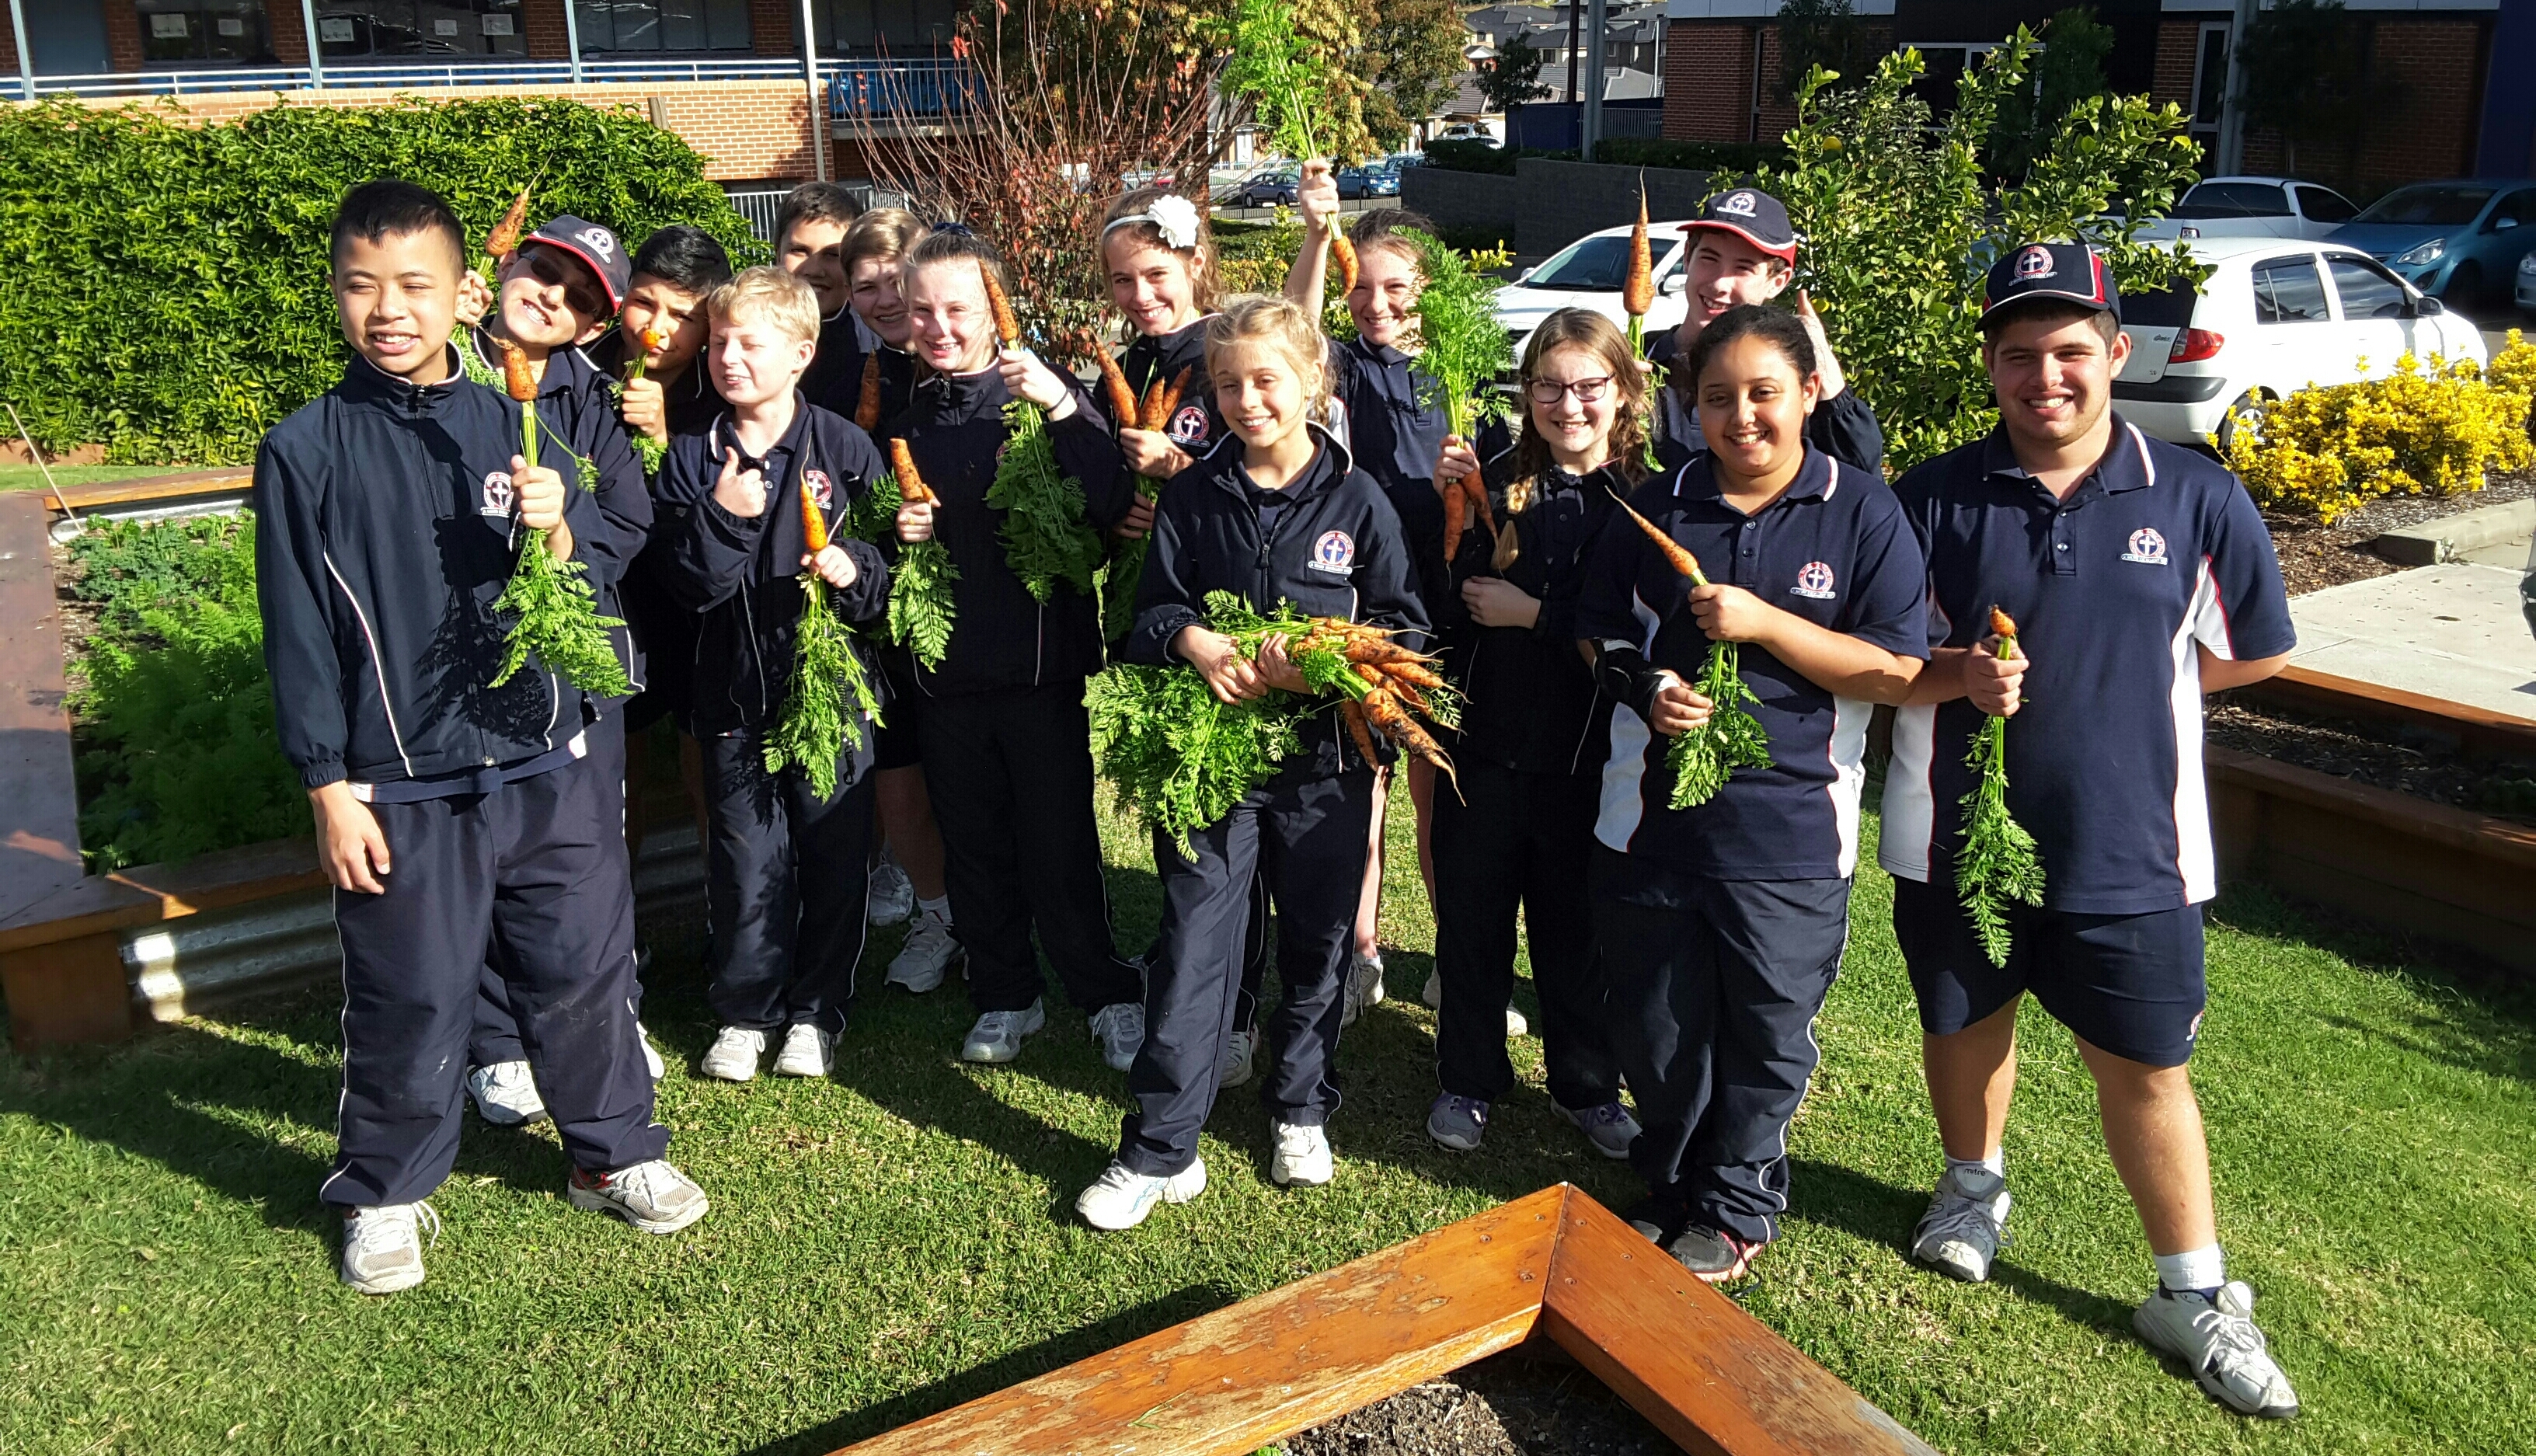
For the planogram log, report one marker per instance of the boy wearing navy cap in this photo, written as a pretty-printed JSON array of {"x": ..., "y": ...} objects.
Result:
[
  {"x": 1742, "y": 251},
  {"x": 2140, "y": 577},
  {"x": 450, "y": 814}
]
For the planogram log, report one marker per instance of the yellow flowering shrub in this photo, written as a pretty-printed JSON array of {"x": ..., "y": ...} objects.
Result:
[{"x": 2420, "y": 430}]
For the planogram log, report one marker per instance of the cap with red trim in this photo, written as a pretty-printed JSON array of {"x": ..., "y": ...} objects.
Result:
[
  {"x": 1757, "y": 218},
  {"x": 2069, "y": 273},
  {"x": 594, "y": 245}
]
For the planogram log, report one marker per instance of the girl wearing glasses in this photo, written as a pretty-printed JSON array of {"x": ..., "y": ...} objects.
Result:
[{"x": 1534, "y": 733}]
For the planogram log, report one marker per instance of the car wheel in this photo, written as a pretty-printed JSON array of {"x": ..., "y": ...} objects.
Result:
[
  {"x": 2249, "y": 409},
  {"x": 2464, "y": 291}
]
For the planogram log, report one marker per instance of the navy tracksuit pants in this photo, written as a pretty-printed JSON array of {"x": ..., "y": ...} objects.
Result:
[
  {"x": 1305, "y": 835},
  {"x": 785, "y": 881},
  {"x": 1714, "y": 986},
  {"x": 538, "y": 870},
  {"x": 1511, "y": 837},
  {"x": 1010, "y": 776}
]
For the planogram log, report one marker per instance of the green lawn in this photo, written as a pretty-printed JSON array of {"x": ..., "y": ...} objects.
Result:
[
  {"x": 898, "y": 1239},
  {"x": 31, "y": 478}
]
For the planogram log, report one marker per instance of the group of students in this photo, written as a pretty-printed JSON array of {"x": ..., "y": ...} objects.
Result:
[{"x": 1678, "y": 955}]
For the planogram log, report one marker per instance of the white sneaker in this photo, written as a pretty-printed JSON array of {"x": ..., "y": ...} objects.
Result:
[
  {"x": 1516, "y": 1026},
  {"x": 383, "y": 1246},
  {"x": 1121, "y": 1196},
  {"x": 927, "y": 957},
  {"x": 808, "y": 1051},
  {"x": 1966, "y": 1223},
  {"x": 733, "y": 1055},
  {"x": 1364, "y": 987},
  {"x": 1302, "y": 1155},
  {"x": 505, "y": 1094},
  {"x": 997, "y": 1035},
  {"x": 2217, "y": 1340},
  {"x": 1120, "y": 1030},
  {"x": 650, "y": 1054},
  {"x": 1433, "y": 995},
  {"x": 1235, "y": 1069},
  {"x": 892, "y": 896},
  {"x": 652, "y": 1196}
]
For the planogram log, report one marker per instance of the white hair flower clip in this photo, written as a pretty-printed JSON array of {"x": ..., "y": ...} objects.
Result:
[{"x": 1176, "y": 216}]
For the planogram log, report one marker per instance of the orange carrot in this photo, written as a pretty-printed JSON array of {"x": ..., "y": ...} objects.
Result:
[
  {"x": 1477, "y": 490},
  {"x": 1007, "y": 327},
  {"x": 518, "y": 379},
  {"x": 1413, "y": 672},
  {"x": 1379, "y": 650},
  {"x": 1385, "y": 712},
  {"x": 1343, "y": 253},
  {"x": 1638, "y": 292},
  {"x": 504, "y": 239},
  {"x": 1124, "y": 413},
  {"x": 1456, "y": 518},
  {"x": 1160, "y": 401},
  {"x": 868, "y": 406},
  {"x": 911, "y": 486},
  {"x": 1674, "y": 551},
  {"x": 1352, "y": 713},
  {"x": 2003, "y": 627},
  {"x": 814, "y": 524}
]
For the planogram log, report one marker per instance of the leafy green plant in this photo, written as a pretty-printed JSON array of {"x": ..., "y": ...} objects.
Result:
[
  {"x": 829, "y": 698},
  {"x": 554, "y": 610},
  {"x": 1179, "y": 758},
  {"x": 1462, "y": 348},
  {"x": 1277, "y": 72},
  {"x": 1999, "y": 860},
  {"x": 1704, "y": 758},
  {"x": 1047, "y": 538},
  {"x": 128, "y": 567},
  {"x": 2070, "y": 68},
  {"x": 162, "y": 283},
  {"x": 1514, "y": 77}
]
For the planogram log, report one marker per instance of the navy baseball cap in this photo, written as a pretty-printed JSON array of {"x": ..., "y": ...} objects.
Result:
[
  {"x": 594, "y": 245},
  {"x": 2069, "y": 273},
  {"x": 1757, "y": 218}
]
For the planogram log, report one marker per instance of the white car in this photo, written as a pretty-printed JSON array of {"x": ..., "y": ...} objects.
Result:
[
  {"x": 2252, "y": 207},
  {"x": 2274, "y": 317},
  {"x": 1588, "y": 273}
]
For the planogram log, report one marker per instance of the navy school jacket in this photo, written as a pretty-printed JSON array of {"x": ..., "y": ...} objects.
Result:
[
  {"x": 664, "y": 629},
  {"x": 839, "y": 364},
  {"x": 384, "y": 532},
  {"x": 1842, "y": 426},
  {"x": 1393, "y": 436},
  {"x": 1336, "y": 551},
  {"x": 1004, "y": 637},
  {"x": 1534, "y": 703},
  {"x": 898, "y": 371},
  {"x": 740, "y": 575}
]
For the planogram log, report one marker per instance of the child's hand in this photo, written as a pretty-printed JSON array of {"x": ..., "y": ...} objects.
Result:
[
  {"x": 1678, "y": 710},
  {"x": 474, "y": 299},
  {"x": 1278, "y": 669},
  {"x": 743, "y": 492},
  {"x": 539, "y": 492},
  {"x": 1317, "y": 197},
  {"x": 1826, "y": 365},
  {"x": 1497, "y": 603},
  {"x": 1730, "y": 613},
  {"x": 833, "y": 565},
  {"x": 1996, "y": 684},
  {"x": 351, "y": 847},
  {"x": 1025, "y": 375},
  {"x": 646, "y": 408},
  {"x": 915, "y": 521},
  {"x": 1456, "y": 460},
  {"x": 1232, "y": 676},
  {"x": 1151, "y": 454},
  {"x": 1138, "y": 524}
]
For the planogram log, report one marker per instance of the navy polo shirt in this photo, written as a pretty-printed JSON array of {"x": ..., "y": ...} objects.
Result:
[
  {"x": 2157, "y": 550},
  {"x": 1834, "y": 550}
]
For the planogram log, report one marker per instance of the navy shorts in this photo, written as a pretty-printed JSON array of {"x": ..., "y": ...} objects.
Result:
[{"x": 2129, "y": 985}]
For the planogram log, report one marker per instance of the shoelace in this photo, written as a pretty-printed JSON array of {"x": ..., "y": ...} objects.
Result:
[
  {"x": 1298, "y": 1142},
  {"x": 401, "y": 1218},
  {"x": 1609, "y": 1114},
  {"x": 2233, "y": 1335},
  {"x": 1957, "y": 1217}
]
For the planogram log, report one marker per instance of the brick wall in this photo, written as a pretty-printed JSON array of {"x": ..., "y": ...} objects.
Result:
[
  {"x": 775, "y": 27},
  {"x": 544, "y": 27},
  {"x": 122, "y": 36},
  {"x": 2176, "y": 42},
  {"x": 1708, "y": 81}
]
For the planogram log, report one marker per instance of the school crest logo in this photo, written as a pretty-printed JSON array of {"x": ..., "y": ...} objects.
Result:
[
  {"x": 821, "y": 493},
  {"x": 2034, "y": 264},
  {"x": 2149, "y": 548},
  {"x": 1188, "y": 426},
  {"x": 1334, "y": 552},
  {"x": 1740, "y": 205},
  {"x": 1814, "y": 581},
  {"x": 499, "y": 496},
  {"x": 597, "y": 241}
]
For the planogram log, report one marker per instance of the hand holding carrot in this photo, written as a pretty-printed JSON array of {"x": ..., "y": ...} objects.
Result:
[
  {"x": 645, "y": 408},
  {"x": 1456, "y": 460},
  {"x": 1678, "y": 710},
  {"x": 1138, "y": 524},
  {"x": 1995, "y": 684},
  {"x": 1151, "y": 454},
  {"x": 1030, "y": 379},
  {"x": 1730, "y": 613},
  {"x": 540, "y": 493},
  {"x": 833, "y": 565},
  {"x": 915, "y": 521},
  {"x": 1278, "y": 669},
  {"x": 1317, "y": 197},
  {"x": 1231, "y": 677}
]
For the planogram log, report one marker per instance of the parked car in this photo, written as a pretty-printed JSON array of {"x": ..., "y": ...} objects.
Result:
[
  {"x": 2252, "y": 207},
  {"x": 2526, "y": 291},
  {"x": 1266, "y": 190},
  {"x": 2461, "y": 239},
  {"x": 1401, "y": 161},
  {"x": 1381, "y": 180},
  {"x": 1465, "y": 131},
  {"x": 2274, "y": 316},
  {"x": 1351, "y": 182},
  {"x": 1588, "y": 273}
]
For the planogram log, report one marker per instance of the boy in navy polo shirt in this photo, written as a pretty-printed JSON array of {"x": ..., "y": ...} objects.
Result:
[
  {"x": 2140, "y": 577},
  {"x": 450, "y": 814},
  {"x": 1722, "y": 924}
]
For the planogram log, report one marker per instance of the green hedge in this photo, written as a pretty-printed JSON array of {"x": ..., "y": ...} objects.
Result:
[{"x": 162, "y": 285}]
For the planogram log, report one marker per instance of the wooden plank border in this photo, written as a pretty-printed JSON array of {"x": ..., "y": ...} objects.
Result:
[{"x": 1553, "y": 1264}]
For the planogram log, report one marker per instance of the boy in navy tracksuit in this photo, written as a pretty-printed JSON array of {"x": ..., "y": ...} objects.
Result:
[
  {"x": 1005, "y": 738},
  {"x": 1722, "y": 923},
  {"x": 786, "y": 872},
  {"x": 2139, "y": 576},
  {"x": 1320, "y": 534},
  {"x": 449, "y": 813},
  {"x": 809, "y": 243}
]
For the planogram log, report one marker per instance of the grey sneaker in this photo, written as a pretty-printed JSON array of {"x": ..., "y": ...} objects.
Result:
[
  {"x": 927, "y": 956},
  {"x": 1235, "y": 1068},
  {"x": 997, "y": 1035},
  {"x": 652, "y": 1196},
  {"x": 1458, "y": 1122},
  {"x": 1364, "y": 987},
  {"x": 383, "y": 1246},
  {"x": 892, "y": 896},
  {"x": 1121, "y": 1196},
  {"x": 733, "y": 1055},
  {"x": 1120, "y": 1030},
  {"x": 505, "y": 1094},
  {"x": 2218, "y": 1343},
  {"x": 808, "y": 1051},
  {"x": 1966, "y": 1225},
  {"x": 1607, "y": 1126}
]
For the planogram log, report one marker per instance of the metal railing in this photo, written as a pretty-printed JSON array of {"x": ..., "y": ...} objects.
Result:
[
  {"x": 923, "y": 84},
  {"x": 762, "y": 207}
]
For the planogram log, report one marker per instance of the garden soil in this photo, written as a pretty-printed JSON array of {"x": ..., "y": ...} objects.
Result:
[
  {"x": 2376, "y": 754},
  {"x": 2314, "y": 556},
  {"x": 1508, "y": 1405}
]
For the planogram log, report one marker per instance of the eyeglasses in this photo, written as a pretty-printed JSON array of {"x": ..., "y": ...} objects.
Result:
[{"x": 1551, "y": 391}]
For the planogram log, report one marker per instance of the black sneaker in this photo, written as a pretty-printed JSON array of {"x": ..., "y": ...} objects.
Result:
[
  {"x": 1712, "y": 1256},
  {"x": 1658, "y": 1219}
]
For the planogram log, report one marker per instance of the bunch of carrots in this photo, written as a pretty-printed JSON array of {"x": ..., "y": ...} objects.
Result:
[
  {"x": 1381, "y": 683},
  {"x": 557, "y": 614},
  {"x": 1998, "y": 862},
  {"x": 1731, "y": 738},
  {"x": 1153, "y": 414},
  {"x": 1048, "y": 540},
  {"x": 921, "y": 604},
  {"x": 815, "y": 726}
]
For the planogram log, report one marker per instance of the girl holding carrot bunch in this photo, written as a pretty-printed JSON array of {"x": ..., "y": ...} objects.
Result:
[
  {"x": 1003, "y": 734},
  {"x": 1286, "y": 517},
  {"x": 1720, "y": 925},
  {"x": 1535, "y": 735},
  {"x": 1159, "y": 257}
]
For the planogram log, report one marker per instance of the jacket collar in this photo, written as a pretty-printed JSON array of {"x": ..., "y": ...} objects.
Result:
[
  {"x": 365, "y": 381},
  {"x": 955, "y": 399},
  {"x": 725, "y": 435},
  {"x": 1330, "y": 464}
]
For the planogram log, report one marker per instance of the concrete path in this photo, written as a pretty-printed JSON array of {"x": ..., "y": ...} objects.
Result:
[{"x": 2451, "y": 631}]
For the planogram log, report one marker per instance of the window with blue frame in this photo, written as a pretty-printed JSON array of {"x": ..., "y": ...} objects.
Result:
[
  {"x": 420, "y": 29},
  {"x": 653, "y": 25},
  {"x": 231, "y": 30},
  {"x": 899, "y": 28}
]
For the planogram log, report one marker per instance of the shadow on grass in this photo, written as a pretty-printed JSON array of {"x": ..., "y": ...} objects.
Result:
[{"x": 1053, "y": 1354}]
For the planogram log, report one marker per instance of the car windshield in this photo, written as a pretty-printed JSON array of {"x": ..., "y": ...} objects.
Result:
[
  {"x": 2438, "y": 207},
  {"x": 1594, "y": 265},
  {"x": 2233, "y": 200}
]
